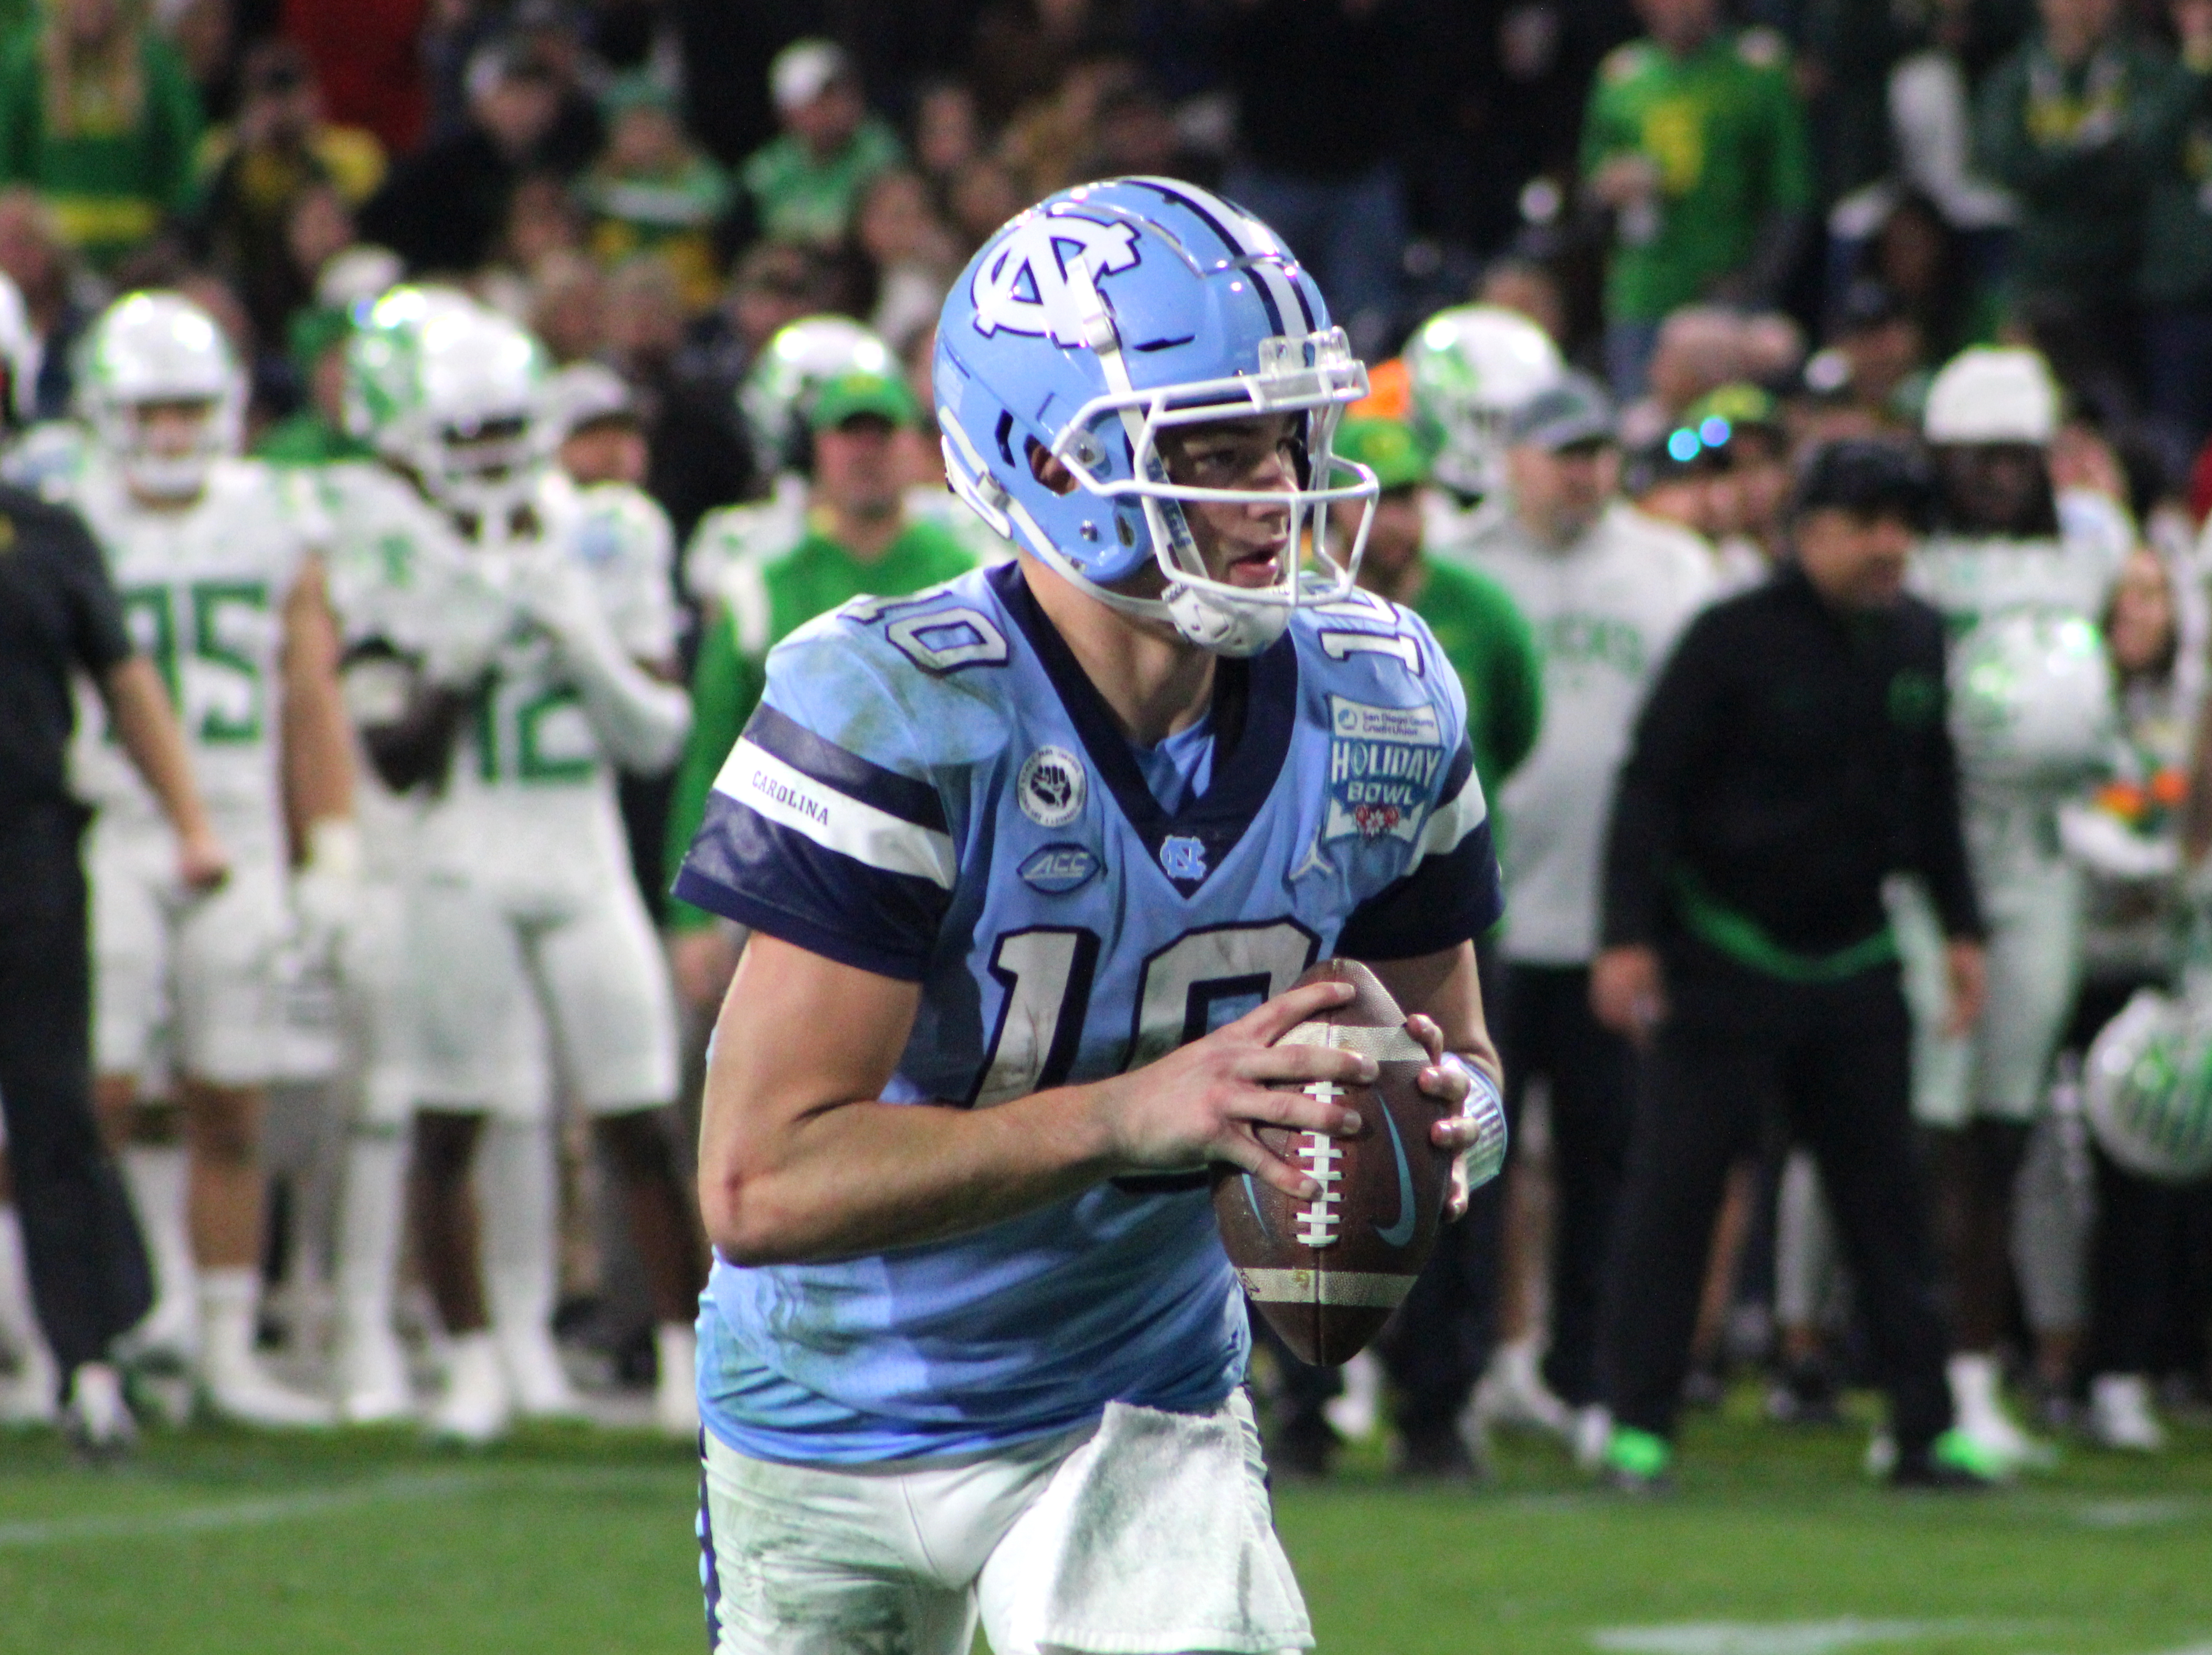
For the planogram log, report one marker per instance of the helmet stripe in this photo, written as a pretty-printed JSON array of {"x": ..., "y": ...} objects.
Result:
[
  {"x": 1257, "y": 238},
  {"x": 1276, "y": 290}
]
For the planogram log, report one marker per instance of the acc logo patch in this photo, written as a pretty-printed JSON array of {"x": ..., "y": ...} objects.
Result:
[
  {"x": 1382, "y": 768},
  {"x": 1025, "y": 287},
  {"x": 1051, "y": 786},
  {"x": 1058, "y": 869}
]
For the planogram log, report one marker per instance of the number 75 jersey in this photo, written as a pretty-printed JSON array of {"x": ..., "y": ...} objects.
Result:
[{"x": 932, "y": 790}]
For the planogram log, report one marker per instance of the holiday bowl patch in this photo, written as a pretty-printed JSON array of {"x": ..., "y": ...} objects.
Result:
[{"x": 1384, "y": 766}]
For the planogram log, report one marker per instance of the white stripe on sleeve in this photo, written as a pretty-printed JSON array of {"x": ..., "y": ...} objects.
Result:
[{"x": 764, "y": 783}]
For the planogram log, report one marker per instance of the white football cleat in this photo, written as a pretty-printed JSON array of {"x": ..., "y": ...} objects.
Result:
[
  {"x": 535, "y": 1377},
  {"x": 1513, "y": 1397},
  {"x": 233, "y": 1382},
  {"x": 248, "y": 1394},
  {"x": 97, "y": 1418},
  {"x": 32, "y": 1394},
  {"x": 167, "y": 1339},
  {"x": 1981, "y": 1416},
  {"x": 1355, "y": 1413},
  {"x": 1593, "y": 1430},
  {"x": 477, "y": 1407},
  {"x": 676, "y": 1389},
  {"x": 2121, "y": 1416},
  {"x": 372, "y": 1376}
]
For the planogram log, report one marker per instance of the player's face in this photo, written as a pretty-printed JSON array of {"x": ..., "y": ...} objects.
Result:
[
  {"x": 489, "y": 450},
  {"x": 606, "y": 452},
  {"x": 1243, "y": 542},
  {"x": 172, "y": 429},
  {"x": 1855, "y": 560}
]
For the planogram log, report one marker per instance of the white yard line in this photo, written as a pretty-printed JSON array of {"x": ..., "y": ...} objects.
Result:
[
  {"x": 1775, "y": 1637},
  {"x": 400, "y": 1488}
]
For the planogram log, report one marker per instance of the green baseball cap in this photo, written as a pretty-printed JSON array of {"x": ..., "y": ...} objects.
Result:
[
  {"x": 850, "y": 395},
  {"x": 1388, "y": 447}
]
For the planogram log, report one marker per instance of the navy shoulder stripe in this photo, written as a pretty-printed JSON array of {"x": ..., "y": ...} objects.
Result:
[{"x": 903, "y": 796}]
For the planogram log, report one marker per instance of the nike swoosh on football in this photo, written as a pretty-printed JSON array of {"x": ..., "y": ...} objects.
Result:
[{"x": 1401, "y": 1231}]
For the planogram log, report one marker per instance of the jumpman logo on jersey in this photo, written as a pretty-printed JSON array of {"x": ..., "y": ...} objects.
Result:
[
  {"x": 1314, "y": 862},
  {"x": 1032, "y": 286}
]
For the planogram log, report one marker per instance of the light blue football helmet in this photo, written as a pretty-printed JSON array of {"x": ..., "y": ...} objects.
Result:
[{"x": 1104, "y": 315}]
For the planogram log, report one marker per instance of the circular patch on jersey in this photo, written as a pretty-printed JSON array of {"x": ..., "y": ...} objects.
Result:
[{"x": 1050, "y": 787}]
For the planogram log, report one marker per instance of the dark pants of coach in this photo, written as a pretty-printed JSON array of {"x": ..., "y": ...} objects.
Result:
[
  {"x": 89, "y": 1280},
  {"x": 1833, "y": 1059}
]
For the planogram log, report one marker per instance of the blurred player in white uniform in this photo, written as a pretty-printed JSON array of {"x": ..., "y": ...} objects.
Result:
[
  {"x": 2021, "y": 572},
  {"x": 527, "y": 944},
  {"x": 224, "y": 592}
]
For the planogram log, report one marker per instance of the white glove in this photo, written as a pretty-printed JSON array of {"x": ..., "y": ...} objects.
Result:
[
  {"x": 639, "y": 721},
  {"x": 474, "y": 618},
  {"x": 326, "y": 891}
]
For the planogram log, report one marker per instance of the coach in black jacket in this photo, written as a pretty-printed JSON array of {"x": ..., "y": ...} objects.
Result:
[{"x": 1793, "y": 755}]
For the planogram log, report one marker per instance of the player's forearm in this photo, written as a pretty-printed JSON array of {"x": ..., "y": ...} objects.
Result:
[
  {"x": 147, "y": 726},
  {"x": 317, "y": 749},
  {"x": 866, "y": 1178}
]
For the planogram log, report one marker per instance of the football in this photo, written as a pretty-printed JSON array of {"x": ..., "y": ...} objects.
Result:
[{"x": 1326, "y": 1273}]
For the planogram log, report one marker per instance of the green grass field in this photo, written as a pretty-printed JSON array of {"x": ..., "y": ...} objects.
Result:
[{"x": 570, "y": 1541}]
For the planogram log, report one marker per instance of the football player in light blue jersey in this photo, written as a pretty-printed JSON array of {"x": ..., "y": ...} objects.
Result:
[{"x": 1031, "y": 861}]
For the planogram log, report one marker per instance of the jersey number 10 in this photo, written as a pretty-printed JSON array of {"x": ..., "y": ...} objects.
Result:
[{"x": 1201, "y": 980}]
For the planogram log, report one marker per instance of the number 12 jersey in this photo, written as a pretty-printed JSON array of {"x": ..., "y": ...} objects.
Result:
[{"x": 932, "y": 790}]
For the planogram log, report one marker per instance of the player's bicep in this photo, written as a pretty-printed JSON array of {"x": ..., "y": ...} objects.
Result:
[{"x": 799, "y": 1034}]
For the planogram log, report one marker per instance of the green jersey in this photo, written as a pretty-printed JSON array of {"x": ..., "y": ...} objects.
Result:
[
  {"x": 2177, "y": 254},
  {"x": 308, "y": 439},
  {"x": 125, "y": 160},
  {"x": 1725, "y": 131},
  {"x": 1485, "y": 637},
  {"x": 2079, "y": 147},
  {"x": 801, "y": 198},
  {"x": 764, "y": 600}
]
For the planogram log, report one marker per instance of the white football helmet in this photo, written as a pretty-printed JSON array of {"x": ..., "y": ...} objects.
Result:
[
  {"x": 1470, "y": 367},
  {"x": 156, "y": 347},
  {"x": 2149, "y": 1082},
  {"x": 452, "y": 392},
  {"x": 793, "y": 366}
]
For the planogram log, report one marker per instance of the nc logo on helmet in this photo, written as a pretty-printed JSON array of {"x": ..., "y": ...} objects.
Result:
[{"x": 1029, "y": 285}]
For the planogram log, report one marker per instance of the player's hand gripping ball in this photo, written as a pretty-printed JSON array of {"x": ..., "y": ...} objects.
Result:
[{"x": 1327, "y": 1272}]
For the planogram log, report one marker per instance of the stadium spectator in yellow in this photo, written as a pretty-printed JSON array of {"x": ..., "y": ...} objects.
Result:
[
  {"x": 255, "y": 171},
  {"x": 2078, "y": 124},
  {"x": 98, "y": 114},
  {"x": 805, "y": 183},
  {"x": 859, "y": 542},
  {"x": 651, "y": 191},
  {"x": 1695, "y": 137}
]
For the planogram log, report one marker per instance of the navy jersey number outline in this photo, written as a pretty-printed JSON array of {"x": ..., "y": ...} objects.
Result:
[{"x": 1045, "y": 974}]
